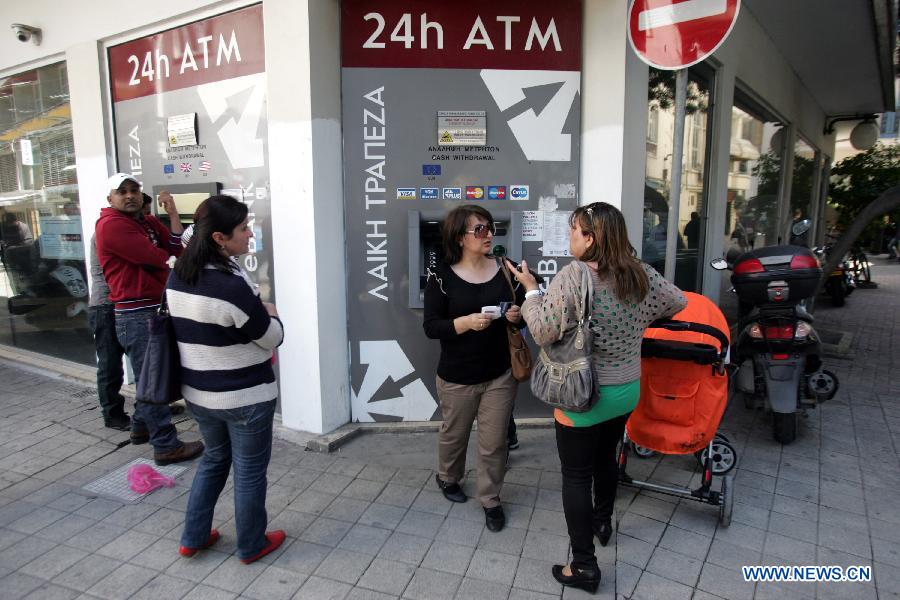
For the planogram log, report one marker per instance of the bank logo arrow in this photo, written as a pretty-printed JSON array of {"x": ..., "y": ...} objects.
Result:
[
  {"x": 389, "y": 386},
  {"x": 539, "y": 103},
  {"x": 241, "y": 102}
]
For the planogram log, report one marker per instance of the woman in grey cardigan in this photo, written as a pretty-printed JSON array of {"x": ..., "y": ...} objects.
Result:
[{"x": 628, "y": 296}]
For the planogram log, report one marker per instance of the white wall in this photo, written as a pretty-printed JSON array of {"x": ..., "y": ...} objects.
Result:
[
  {"x": 303, "y": 71},
  {"x": 68, "y": 23},
  {"x": 603, "y": 74}
]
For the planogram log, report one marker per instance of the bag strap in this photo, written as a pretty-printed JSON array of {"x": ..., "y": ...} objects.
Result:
[
  {"x": 585, "y": 308},
  {"x": 506, "y": 274},
  {"x": 163, "y": 300}
]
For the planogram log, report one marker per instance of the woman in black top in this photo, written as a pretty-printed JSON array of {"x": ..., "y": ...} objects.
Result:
[{"x": 473, "y": 374}]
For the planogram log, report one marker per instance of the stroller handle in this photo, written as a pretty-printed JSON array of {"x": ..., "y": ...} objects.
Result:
[{"x": 696, "y": 327}]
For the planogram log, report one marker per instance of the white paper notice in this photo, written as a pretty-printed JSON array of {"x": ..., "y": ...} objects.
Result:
[
  {"x": 462, "y": 128},
  {"x": 61, "y": 238},
  {"x": 532, "y": 226},
  {"x": 27, "y": 154},
  {"x": 556, "y": 233},
  {"x": 182, "y": 130}
]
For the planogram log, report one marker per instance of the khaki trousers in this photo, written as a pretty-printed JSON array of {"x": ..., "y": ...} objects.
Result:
[{"x": 491, "y": 403}]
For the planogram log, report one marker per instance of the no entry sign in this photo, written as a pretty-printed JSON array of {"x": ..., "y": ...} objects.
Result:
[{"x": 673, "y": 34}]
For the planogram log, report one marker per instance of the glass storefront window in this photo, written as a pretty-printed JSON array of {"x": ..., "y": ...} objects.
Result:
[
  {"x": 754, "y": 179},
  {"x": 658, "y": 181},
  {"x": 803, "y": 188},
  {"x": 43, "y": 281}
]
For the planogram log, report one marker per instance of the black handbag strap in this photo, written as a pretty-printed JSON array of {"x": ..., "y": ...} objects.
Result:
[
  {"x": 163, "y": 303},
  {"x": 503, "y": 268}
]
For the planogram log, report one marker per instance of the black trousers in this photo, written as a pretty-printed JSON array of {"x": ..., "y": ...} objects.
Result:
[
  {"x": 102, "y": 319},
  {"x": 587, "y": 456}
]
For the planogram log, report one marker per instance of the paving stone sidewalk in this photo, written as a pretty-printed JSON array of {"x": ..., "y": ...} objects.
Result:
[{"x": 368, "y": 522}]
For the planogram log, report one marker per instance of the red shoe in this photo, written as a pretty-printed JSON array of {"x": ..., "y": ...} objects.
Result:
[
  {"x": 189, "y": 552},
  {"x": 275, "y": 539}
]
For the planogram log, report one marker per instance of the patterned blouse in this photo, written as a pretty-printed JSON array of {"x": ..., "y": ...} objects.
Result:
[{"x": 618, "y": 325}]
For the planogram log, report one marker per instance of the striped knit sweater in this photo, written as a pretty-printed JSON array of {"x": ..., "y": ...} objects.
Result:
[{"x": 225, "y": 337}]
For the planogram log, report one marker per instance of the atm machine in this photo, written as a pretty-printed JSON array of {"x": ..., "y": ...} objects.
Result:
[
  {"x": 188, "y": 197},
  {"x": 426, "y": 246}
]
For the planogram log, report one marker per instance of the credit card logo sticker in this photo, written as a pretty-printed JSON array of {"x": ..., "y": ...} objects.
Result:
[
  {"x": 474, "y": 192},
  {"x": 518, "y": 192},
  {"x": 430, "y": 193},
  {"x": 497, "y": 192},
  {"x": 452, "y": 193},
  {"x": 406, "y": 193}
]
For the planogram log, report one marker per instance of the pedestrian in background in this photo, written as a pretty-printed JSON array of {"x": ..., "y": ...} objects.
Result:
[
  {"x": 110, "y": 374},
  {"x": 226, "y": 336},
  {"x": 628, "y": 296},
  {"x": 474, "y": 379}
]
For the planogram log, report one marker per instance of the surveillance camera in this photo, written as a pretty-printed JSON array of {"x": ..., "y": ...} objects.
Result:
[{"x": 25, "y": 33}]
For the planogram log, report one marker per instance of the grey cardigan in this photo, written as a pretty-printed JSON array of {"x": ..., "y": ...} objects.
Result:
[{"x": 617, "y": 325}]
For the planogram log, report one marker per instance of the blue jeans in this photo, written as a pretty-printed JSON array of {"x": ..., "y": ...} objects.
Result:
[
  {"x": 102, "y": 319},
  {"x": 133, "y": 335},
  {"x": 242, "y": 436}
]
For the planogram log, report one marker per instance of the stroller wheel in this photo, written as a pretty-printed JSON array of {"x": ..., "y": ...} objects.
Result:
[
  {"x": 726, "y": 500},
  {"x": 642, "y": 452},
  {"x": 724, "y": 457}
]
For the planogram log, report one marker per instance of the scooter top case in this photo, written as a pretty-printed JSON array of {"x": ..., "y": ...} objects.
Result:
[{"x": 776, "y": 275}]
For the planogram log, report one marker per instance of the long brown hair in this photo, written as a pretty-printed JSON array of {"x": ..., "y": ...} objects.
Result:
[
  {"x": 611, "y": 250},
  {"x": 454, "y": 228}
]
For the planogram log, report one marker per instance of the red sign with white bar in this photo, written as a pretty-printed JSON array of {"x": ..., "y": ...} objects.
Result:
[
  {"x": 466, "y": 34},
  {"x": 223, "y": 47},
  {"x": 674, "y": 34}
]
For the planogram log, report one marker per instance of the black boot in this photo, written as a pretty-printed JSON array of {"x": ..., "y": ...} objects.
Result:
[
  {"x": 585, "y": 579},
  {"x": 603, "y": 531}
]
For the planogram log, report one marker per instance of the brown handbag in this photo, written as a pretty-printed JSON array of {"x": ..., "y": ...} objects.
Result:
[{"x": 519, "y": 353}]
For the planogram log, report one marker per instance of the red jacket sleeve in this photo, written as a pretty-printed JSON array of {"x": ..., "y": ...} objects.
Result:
[{"x": 170, "y": 241}]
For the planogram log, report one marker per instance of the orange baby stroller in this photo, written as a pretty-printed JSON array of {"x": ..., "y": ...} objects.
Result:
[{"x": 684, "y": 392}]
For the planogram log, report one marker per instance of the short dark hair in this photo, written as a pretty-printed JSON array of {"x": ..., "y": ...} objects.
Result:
[
  {"x": 454, "y": 228},
  {"x": 147, "y": 198}
]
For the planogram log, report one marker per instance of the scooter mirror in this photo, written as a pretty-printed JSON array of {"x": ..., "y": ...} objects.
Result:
[
  {"x": 801, "y": 227},
  {"x": 719, "y": 264}
]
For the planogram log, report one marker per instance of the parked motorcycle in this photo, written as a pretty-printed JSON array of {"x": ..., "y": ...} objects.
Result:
[
  {"x": 840, "y": 283},
  {"x": 777, "y": 348}
]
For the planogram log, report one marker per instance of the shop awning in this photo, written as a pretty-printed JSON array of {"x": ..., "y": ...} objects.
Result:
[{"x": 842, "y": 51}]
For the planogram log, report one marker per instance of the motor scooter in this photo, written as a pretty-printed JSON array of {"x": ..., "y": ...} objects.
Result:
[
  {"x": 777, "y": 349},
  {"x": 840, "y": 283}
]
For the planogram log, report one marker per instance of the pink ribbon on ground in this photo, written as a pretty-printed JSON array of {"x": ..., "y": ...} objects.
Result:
[{"x": 142, "y": 478}]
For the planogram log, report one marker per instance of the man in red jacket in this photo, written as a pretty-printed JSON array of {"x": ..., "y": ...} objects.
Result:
[{"x": 134, "y": 250}]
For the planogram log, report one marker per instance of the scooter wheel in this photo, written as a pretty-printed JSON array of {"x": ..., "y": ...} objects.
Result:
[
  {"x": 784, "y": 427},
  {"x": 823, "y": 385}
]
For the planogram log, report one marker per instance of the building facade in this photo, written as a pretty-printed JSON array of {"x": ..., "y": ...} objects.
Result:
[{"x": 535, "y": 108}]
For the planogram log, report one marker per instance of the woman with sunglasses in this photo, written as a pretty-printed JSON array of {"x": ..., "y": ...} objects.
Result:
[
  {"x": 628, "y": 296},
  {"x": 473, "y": 375}
]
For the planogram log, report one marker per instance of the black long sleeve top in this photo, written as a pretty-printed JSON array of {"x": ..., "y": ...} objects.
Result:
[{"x": 474, "y": 356}]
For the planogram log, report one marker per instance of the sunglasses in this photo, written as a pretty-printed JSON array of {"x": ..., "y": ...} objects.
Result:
[{"x": 481, "y": 230}]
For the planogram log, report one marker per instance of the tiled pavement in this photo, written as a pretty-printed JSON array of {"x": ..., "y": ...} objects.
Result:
[{"x": 368, "y": 522}]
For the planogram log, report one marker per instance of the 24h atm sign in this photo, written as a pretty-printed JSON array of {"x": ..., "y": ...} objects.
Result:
[{"x": 673, "y": 34}]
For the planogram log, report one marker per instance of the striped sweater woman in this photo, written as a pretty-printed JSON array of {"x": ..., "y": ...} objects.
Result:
[
  {"x": 226, "y": 335},
  {"x": 225, "y": 338}
]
